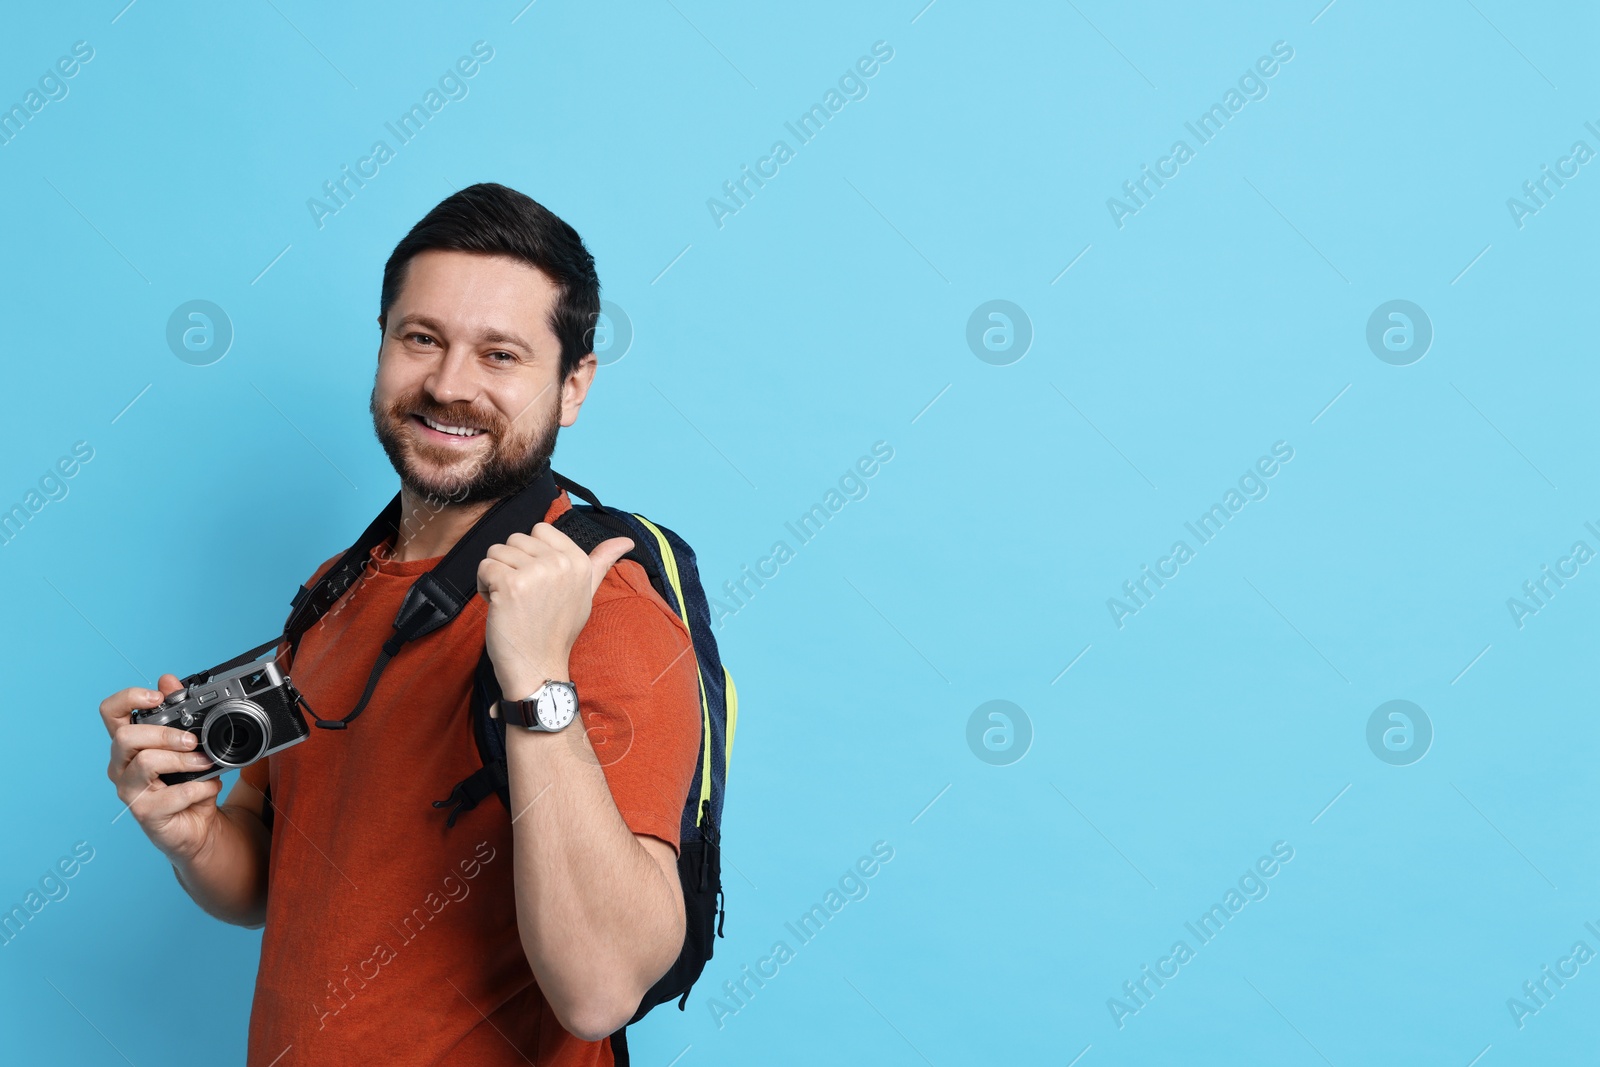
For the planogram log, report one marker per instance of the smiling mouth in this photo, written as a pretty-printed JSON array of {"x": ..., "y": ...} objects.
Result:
[{"x": 441, "y": 431}]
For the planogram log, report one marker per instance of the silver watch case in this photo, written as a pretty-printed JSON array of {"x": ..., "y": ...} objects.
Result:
[{"x": 551, "y": 708}]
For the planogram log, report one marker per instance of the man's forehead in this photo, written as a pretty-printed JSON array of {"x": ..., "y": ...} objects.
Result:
[
  {"x": 490, "y": 298},
  {"x": 440, "y": 268}
]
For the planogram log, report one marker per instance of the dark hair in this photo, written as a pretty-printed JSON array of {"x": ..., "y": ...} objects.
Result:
[{"x": 492, "y": 219}]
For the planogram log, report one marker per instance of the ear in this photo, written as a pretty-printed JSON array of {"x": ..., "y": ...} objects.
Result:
[{"x": 576, "y": 388}]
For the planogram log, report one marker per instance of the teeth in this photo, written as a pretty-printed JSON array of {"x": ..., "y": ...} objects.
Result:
[{"x": 459, "y": 431}]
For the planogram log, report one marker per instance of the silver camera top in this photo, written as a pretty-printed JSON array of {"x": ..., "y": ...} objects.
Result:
[{"x": 184, "y": 707}]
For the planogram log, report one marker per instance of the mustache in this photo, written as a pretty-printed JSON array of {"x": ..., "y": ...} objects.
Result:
[
  {"x": 510, "y": 462},
  {"x": 463, "y": 414}
]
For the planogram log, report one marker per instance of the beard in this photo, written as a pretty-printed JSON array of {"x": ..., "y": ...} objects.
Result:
[{"x": 511, "y": 462}]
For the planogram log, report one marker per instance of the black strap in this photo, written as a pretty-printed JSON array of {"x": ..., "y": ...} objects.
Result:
[
  {"x": 492, "y": 776},
  {"x": 472, "y": 790},
  {"x": 311, "y": 604},
  {"x": 390, "y": 647},
  {"x": 699, "y": 865},
  {"x": 436, "y": 598},
  {"x": 619, "y": 1047},
  {"x": 574, "y": 489}
]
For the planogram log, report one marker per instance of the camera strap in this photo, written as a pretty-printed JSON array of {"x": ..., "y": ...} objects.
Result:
[{"x": 435, "y": 598}]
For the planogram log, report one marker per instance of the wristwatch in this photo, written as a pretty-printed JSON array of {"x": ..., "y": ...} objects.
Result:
[{"x": 551, "y": 707}]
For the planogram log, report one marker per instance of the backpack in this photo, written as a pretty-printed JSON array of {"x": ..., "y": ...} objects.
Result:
[
  {"x": 437, "y": 597},
  {"x": 669, "y": 563}
]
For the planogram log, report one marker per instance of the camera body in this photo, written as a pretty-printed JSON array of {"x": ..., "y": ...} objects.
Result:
[{"x": 239, "y": 716}]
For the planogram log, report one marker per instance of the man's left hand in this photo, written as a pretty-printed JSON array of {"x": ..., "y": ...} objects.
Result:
[{"x": 539, "y": 588}]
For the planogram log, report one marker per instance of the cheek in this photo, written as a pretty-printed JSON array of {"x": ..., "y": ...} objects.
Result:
[
  {"x": 388, "y": 384},
  {"x": 557, "y": 404},
  {"x": 523, "y": 412}
]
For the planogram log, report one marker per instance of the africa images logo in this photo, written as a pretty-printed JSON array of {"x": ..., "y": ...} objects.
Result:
[
  {"x": 342, "y": 990},
  {"x": 452, "y": 86},
  {"x": 1252, "y": 85},
  {"x": 1252, "y": 485},
  {"x": 1251, "y": 886},
  {"x": 737, "y": 993}
]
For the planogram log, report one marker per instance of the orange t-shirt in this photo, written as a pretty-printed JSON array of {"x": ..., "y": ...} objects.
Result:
[{"x": 389, "y": 938}]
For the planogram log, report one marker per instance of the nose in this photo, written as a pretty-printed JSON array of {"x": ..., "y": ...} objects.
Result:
[{"x": 452, "y": 378}]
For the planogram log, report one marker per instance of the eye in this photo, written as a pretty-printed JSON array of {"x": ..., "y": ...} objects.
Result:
[
  {"x": 423, "y": 336},
  {"x": 502, "y": 357}
]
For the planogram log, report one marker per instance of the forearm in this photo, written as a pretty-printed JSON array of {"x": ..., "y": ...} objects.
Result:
[
  {"x": 227, "y": 876},
  {"x": 598, "y": 919}
]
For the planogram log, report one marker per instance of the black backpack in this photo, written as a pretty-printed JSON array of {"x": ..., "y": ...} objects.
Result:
[{"x": 438, "y": 596}]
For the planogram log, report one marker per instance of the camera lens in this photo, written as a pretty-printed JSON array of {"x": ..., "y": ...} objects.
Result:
[{"x": 235, "y": 734}]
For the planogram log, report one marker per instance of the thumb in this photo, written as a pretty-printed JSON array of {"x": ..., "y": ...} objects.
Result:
[{"x": 604, "y": 556}]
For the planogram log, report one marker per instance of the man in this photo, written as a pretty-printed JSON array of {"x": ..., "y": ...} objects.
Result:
[{"x": 517, "y": 937}]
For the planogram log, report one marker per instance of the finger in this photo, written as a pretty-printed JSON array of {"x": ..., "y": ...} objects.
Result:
[
  {"x": 493, "y": 575},
  {"x": 528, "y": 543},
  {"x": 604, "y": 557},
  {"x": 117, "y": 709},
  {"x": 515, "y": 555},
  {"x": 549, "y": 531},
  {"x": 151, "y": 763},
  {"x": 129, "y": 740},
  {"x": 168, "y": 683},
  {"x": 167, "y": 802},
  {"x": 554, "y": 537}
]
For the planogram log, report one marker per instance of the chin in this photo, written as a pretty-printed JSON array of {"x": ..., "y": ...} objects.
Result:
[{"x": 423, "y": 475}]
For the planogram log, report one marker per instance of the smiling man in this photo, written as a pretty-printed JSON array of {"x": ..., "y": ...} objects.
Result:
[{"x": 390, "y": 938}]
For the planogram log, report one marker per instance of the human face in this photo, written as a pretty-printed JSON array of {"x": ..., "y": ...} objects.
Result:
[{"x": 467, "y": 346}]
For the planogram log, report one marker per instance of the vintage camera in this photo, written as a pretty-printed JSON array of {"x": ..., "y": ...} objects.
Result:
[{"x": 240, "y": 716}]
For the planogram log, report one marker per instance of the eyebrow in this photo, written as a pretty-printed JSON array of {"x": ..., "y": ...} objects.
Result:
[{"x": 489, "y": 336}]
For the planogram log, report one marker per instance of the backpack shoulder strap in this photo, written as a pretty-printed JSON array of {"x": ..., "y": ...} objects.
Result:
[
  {"x": 670, "y": 565},
  {"x": 437, "y": 597},
  {"x": 490, "y": 733},
  {"x": 490, "y": 779}
]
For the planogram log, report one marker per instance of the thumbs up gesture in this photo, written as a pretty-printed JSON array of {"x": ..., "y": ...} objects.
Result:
[{"x": 539, "y": 587}]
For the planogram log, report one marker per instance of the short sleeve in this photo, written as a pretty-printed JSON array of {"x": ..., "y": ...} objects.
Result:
[{"x": 639, "y": 695}]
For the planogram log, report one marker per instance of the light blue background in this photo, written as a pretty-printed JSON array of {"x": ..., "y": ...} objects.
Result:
[{"x": 823, "y": 317}]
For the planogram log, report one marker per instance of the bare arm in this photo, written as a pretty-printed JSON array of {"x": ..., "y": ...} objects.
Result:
[
  {"x": 227, "y": 876},
  {"x": 599, "y": 908}
]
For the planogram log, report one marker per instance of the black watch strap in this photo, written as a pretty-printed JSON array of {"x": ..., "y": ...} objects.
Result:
[{"x": 523, "y": 713}]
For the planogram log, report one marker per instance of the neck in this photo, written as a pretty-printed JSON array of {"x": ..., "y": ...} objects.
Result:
[{"x": 427, "y": 529}]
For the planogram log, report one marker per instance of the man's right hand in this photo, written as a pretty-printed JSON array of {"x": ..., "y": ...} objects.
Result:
[{"x": 179, "y": 819}]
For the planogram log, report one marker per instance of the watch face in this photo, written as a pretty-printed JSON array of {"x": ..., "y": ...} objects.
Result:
[{"x": 556, "y": 707}]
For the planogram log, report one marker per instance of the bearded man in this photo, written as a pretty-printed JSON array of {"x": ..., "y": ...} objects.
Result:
[{"x": 386, "y": 938}]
